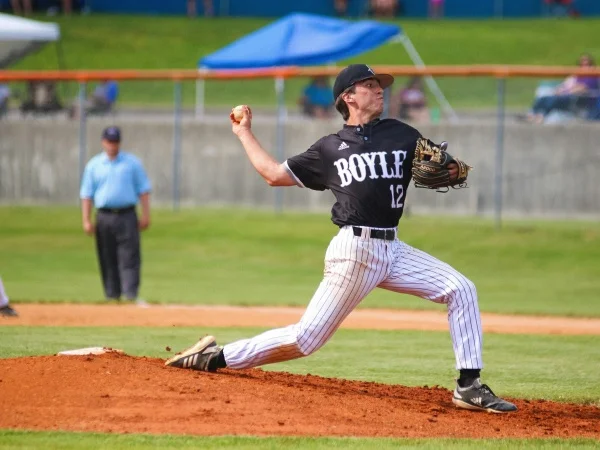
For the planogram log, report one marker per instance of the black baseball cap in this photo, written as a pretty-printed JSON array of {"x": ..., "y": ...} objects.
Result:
[
  {"x": 355, "y": 73},
  {"x": 112, "y": 134}
]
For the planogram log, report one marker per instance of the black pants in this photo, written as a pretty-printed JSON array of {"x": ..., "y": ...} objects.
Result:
[{"x": 118, "y": 246}]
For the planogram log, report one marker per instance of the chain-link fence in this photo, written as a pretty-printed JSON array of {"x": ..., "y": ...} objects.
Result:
[{"x": 534, "y": 151}]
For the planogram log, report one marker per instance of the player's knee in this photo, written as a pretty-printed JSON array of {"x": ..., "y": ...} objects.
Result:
[
  {"x": 463, "y": 288},
  {"x": 306, "y": 347},
  {"x": 308, "y": 343}
]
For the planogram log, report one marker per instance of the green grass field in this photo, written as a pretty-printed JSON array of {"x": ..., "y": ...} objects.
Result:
[
  {"x": 141, "y": 42},
  {"x": 10, "y": 440},
  {"x": 244, "y": 257},
  {"x": 192, "y": 256}
]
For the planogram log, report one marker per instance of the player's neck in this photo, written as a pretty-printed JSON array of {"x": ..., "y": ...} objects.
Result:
[{"x": 361, "y": 118}]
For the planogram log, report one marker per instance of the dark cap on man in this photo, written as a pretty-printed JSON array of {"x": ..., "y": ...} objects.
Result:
[
  {"x": 112, "y": 134},
  {"x": 355, "y": 73}
]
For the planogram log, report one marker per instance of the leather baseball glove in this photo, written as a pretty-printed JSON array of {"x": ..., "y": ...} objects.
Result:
[{"x": 430, "y": 167}]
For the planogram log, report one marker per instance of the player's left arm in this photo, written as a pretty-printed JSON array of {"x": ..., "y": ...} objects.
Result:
[
  {"x": 274, "y": 173},
  {"x": 434, "y": 168}
]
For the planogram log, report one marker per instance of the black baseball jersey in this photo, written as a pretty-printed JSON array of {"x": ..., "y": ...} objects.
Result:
[{"x": 367, "y": 167}]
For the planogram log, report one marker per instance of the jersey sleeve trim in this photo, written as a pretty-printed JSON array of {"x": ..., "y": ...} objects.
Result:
[{"x": 293, "y": 175}]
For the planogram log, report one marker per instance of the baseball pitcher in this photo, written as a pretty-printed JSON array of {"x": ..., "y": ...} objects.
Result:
[{"x": 368, "y": 166}]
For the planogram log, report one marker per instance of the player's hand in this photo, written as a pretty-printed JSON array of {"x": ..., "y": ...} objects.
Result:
[
  {"x": 89, "y": 228},
  {"x": 453, "y": 170},
  {"x": 144, "y": 223},
  {"x": 242, "y": 124}
]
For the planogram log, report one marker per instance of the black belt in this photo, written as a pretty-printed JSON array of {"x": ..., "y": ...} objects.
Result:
[
  {"x": 117, "y": 210},
  {"x": 386, "y": 235}
]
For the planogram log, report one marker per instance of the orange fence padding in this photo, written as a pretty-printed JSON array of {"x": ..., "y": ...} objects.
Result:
[{"x": 497, "y": 71}]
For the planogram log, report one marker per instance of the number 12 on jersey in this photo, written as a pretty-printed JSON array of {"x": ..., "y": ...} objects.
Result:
[{"x": 397, "y": 191}]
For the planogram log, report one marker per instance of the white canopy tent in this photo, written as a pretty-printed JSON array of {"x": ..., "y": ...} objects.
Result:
[{"x": 19, "y": 36}]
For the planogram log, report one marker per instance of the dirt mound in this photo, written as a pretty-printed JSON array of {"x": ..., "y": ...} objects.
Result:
[{"x": 120, "y": 393}]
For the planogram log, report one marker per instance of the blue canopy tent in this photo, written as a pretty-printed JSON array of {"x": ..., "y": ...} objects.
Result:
[
  {"x": 301, "y": 40},
  {"x": 305, "y": 40}
]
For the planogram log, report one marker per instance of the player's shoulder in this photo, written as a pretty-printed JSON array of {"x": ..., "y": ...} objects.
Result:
[
  {"x": 326, "y": 142},
  {"x": 398, "y": 126}
]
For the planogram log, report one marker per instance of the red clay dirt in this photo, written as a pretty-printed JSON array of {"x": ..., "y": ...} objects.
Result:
[{"x": 124, "y": 394}]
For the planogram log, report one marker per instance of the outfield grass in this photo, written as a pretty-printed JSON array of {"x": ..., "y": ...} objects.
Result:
[
  {"x": 142, "y": 42},
  {"x": 61, "y": 440},
  {"x": 561, "y": 368},
  {"x": 244, "y": 257}
]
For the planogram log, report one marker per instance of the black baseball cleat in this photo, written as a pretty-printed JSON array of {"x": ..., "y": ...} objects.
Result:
[
  {"x": 198, "y": 356},
  {"x": 7, "y": 311},
  {"x": 479, "y": 397}
]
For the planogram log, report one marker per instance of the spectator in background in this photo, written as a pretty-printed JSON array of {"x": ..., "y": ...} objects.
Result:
[
  {"x": 101, "y": 101},
  {"x": 436, "y": 9},
  {"x": 104, "y": 97},
  {"x": 67, "y": 7},
  {"x": 341, "y": 7},
  {"x": 209, "y": 10},
  {"x": 4, "y": 97},
  {"x": 113, "y": 182},
  {"x": 561, "y": 8},
  {"x": 410, "y": 103},
  {"x": 317, "y": 98},
  {"x": 192, "y": 8},
  {"x": 384, "y": 8},
  {"x": 575, "y": 92},
  {"x": 5, "y": 309},
  {"x": 22, "y": 7},
  {"x": 41, "y": 98}
]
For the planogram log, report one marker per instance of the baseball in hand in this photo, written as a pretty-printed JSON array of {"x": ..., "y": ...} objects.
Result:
[{"x": 238, "y": 113}]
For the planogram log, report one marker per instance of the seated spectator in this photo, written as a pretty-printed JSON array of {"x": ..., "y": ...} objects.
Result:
[
  {"x": 41, "y": 98},
  {"x": 341, "y": 7},
  {"x": 410, "y": 103},
  {"x": 104, "y": 97},
  {"x": 101, "y": 101},
  {"x": 317, "y": 99},
  {"x": 574, "y": 93},
  {"x": 384, "y": 8},
  {"x": 4, "y": 97}
]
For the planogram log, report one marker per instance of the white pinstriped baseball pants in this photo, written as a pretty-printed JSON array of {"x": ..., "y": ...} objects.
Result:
[{"x": 354, "y": 266}]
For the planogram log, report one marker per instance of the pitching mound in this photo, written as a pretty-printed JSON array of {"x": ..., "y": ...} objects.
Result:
[{"x": 119, "y": 393}]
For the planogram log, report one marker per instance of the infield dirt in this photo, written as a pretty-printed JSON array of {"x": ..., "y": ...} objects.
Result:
[{"x": 125, "y": 394}]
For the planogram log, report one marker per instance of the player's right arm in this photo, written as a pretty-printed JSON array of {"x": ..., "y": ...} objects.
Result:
[{"x": 274, "y": 173}]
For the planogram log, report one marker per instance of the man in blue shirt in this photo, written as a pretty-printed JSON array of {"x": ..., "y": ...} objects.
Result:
[
  {"x": 113, "y": 182},
  {"x": 104, "y": 97},
  {"x": 317, "y": 99}
]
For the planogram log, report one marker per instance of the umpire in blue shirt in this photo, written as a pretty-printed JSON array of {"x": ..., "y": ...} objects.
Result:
[{"x": 113, "y": 182}]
